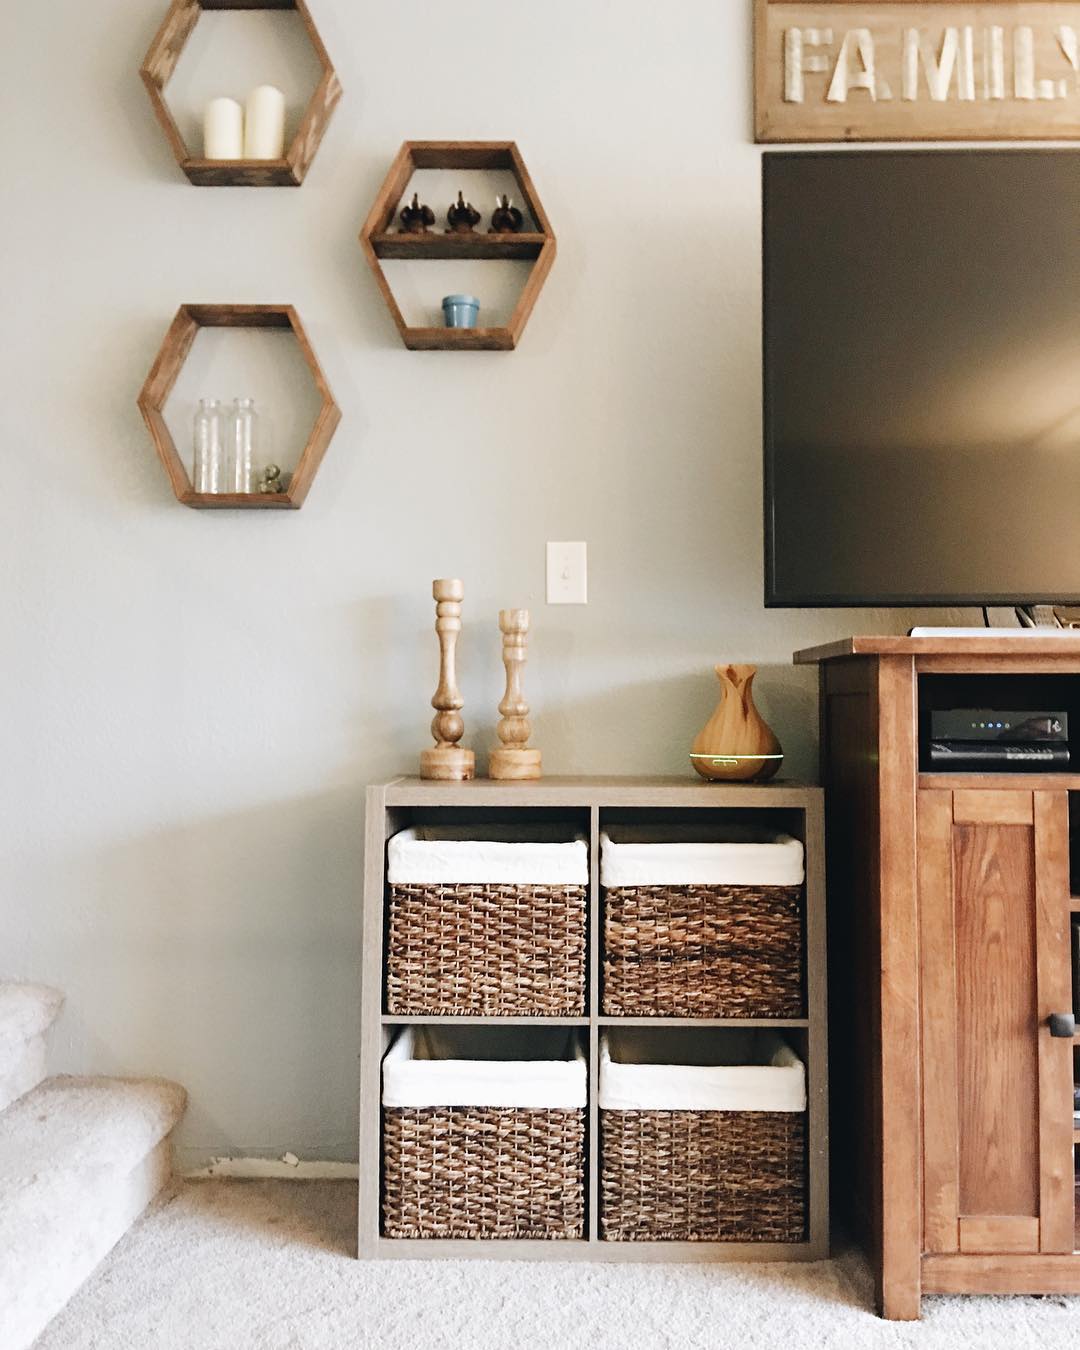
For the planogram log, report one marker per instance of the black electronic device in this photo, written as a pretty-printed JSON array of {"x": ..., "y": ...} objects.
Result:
[
  {"x": 974, "y": 739},
  {"x": 994, "y": 724}
]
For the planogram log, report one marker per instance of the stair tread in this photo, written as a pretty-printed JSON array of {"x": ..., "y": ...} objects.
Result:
[
  {"x": 27, "y": 1010},
  {"x": 80, "y": 1158},
  {"x": 68, "y": 1124}
]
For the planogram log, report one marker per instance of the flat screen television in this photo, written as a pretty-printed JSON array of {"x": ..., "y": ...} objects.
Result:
[{"x": 922, "y": 377}]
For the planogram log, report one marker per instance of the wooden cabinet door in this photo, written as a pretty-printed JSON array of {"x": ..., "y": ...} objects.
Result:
[{"x": 994, "y": 964}]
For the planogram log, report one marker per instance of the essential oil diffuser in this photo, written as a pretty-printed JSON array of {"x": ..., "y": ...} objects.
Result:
[{"x": 736, "y": 745}]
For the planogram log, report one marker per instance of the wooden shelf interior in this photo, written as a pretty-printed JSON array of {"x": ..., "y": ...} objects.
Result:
[
  {"x": 159, "y": 66},
  {"x": 381, "y": 242},
  {"x": 163, "y": 374},
  {"x": 435, "y": 247},
  {"x": 588, "y": 806},
  {"x": 1017, "y": 687}
]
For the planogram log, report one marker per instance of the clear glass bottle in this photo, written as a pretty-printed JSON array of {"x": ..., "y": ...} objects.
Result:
[
  {"x": 208, "y": 461},
  {"x": 243, "y": 436}
]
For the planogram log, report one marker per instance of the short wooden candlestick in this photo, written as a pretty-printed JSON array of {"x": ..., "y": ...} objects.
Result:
[
  {"x": 446, "y": 760},
  {"x": 514, "y": 759}
]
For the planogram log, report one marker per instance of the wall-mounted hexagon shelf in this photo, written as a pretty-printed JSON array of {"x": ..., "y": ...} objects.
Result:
[
  {"x": 160, "y": 63},
  {"x": 380, "y": 242},
  {"x": 170, "y": 360}
]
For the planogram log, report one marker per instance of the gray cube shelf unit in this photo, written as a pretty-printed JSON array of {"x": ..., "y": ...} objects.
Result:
[{"x": 590, "y": 805}]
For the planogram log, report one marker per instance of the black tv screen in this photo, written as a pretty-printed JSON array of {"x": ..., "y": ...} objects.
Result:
[{"x": 922, "y": 377}]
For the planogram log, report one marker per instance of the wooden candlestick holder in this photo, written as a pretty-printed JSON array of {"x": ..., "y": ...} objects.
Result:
[
  {"x": 514, "y": 759},
  {"x": 446, "y": 760}
]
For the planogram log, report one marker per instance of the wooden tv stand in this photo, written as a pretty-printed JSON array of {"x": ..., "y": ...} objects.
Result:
[{"x": 950, "y": 899}]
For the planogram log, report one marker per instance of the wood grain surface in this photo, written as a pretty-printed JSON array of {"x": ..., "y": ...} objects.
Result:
[
  {"x": 841, "y": 70},
  {"x": 990, "y": 863}
]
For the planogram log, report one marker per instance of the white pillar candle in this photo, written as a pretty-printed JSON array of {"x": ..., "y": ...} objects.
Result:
[
  {"x": 264, "y": 124},
  {"x": 223, "y": 129}
]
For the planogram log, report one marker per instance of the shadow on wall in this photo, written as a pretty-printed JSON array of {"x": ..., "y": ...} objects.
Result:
[
  {"x": 224, "y": 953},
  {"x": 638, "y": 726},
  {"x": 647, "y": 727}
]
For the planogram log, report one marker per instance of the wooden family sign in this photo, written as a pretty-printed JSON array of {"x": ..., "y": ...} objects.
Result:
[{"x": 843, "y": 70}]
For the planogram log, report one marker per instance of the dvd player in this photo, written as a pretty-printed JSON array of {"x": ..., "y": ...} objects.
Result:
[
  {"x": 989, "y": 738},
  {"x": 981, "y": 755}
]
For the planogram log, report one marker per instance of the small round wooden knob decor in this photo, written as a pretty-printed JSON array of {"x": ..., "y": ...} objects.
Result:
[
  {"x": 446, "y": 760},
  {"x": 514, "y": 759},
  {"x": 736, "y": 745}
]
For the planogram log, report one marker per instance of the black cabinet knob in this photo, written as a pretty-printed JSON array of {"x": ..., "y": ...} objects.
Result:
[{"x": 1062, "y": 1025}]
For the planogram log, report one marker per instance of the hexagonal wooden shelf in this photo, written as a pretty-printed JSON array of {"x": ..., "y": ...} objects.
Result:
[
  {"x": 170, "y": 360},
  {"x": 380, "y": 242},
  {"x": 160, "y": 63}
]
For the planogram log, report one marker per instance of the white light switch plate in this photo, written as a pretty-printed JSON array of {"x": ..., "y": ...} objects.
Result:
[{"x": 567, "y": 574}]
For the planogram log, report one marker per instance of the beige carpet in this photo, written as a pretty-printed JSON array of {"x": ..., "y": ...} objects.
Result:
[{"x": 257, "y": 1265}]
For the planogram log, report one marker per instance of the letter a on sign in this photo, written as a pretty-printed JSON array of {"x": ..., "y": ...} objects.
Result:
[{"x": 860, "y": 42}]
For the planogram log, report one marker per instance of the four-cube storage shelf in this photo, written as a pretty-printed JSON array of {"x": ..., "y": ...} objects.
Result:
[{"x": 619, "y": 1179}]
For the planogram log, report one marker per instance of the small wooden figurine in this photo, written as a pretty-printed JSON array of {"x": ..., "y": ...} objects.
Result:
[
  {"x": 271, "y": 480},
  {"x": 507, "y": 219},
  {"x": 462, "y": 216},
  {"x": 514, "y": 759},
  {"x": 416, "y": 217},
  {"x": 736, "y": 744},
  {"x": 446, "y": 760}
]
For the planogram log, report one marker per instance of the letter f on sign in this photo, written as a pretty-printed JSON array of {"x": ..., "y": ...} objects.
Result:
[{"x": 800, "y": 59}]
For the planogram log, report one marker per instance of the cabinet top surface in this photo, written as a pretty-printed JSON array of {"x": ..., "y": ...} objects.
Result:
[
  {"x": 602, "y": 790},
  {"x": 1017, "y": 644}
]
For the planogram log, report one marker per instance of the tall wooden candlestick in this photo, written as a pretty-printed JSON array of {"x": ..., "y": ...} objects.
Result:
[
  {"x": 514, "y": 759},
  {"x": 447, "y": 760}
]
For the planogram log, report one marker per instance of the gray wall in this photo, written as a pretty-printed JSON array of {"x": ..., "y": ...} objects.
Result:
[{"x": 193, "y": 701}]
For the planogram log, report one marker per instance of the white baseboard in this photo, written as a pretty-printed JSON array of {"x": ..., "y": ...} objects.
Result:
[{"x": 287, "y": 1168}]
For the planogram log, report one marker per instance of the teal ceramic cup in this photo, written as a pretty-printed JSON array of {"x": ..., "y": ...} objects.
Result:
[{"x": 460, "y": 311}]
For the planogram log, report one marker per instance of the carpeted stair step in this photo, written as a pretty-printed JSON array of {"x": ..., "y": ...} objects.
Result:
[
  {"x": 27, "y": 1011},
  {"x": 80, "y": 1158}
]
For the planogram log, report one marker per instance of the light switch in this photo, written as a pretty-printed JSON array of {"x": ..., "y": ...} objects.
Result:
[{"x": 567, "y": 574}]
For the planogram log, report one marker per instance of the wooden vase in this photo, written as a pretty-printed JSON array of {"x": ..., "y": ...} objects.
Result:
[{"x": 736, "y": 745}]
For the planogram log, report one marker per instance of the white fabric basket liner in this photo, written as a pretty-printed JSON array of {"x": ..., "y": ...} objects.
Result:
[
  {"x": 724, "y": 856},
  {"x": 549, "y": 1071},
  {"x": 763, "y": 1073},
  {"x": 488, "y": 855}
]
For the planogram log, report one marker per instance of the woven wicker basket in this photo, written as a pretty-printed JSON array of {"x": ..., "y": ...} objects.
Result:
[
  {"x": 703, "y": 1176},
  {"x": 474, "y": 1172},
  {"x": 703, "y": 951},
  {"x": 495, "y": 950}
]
